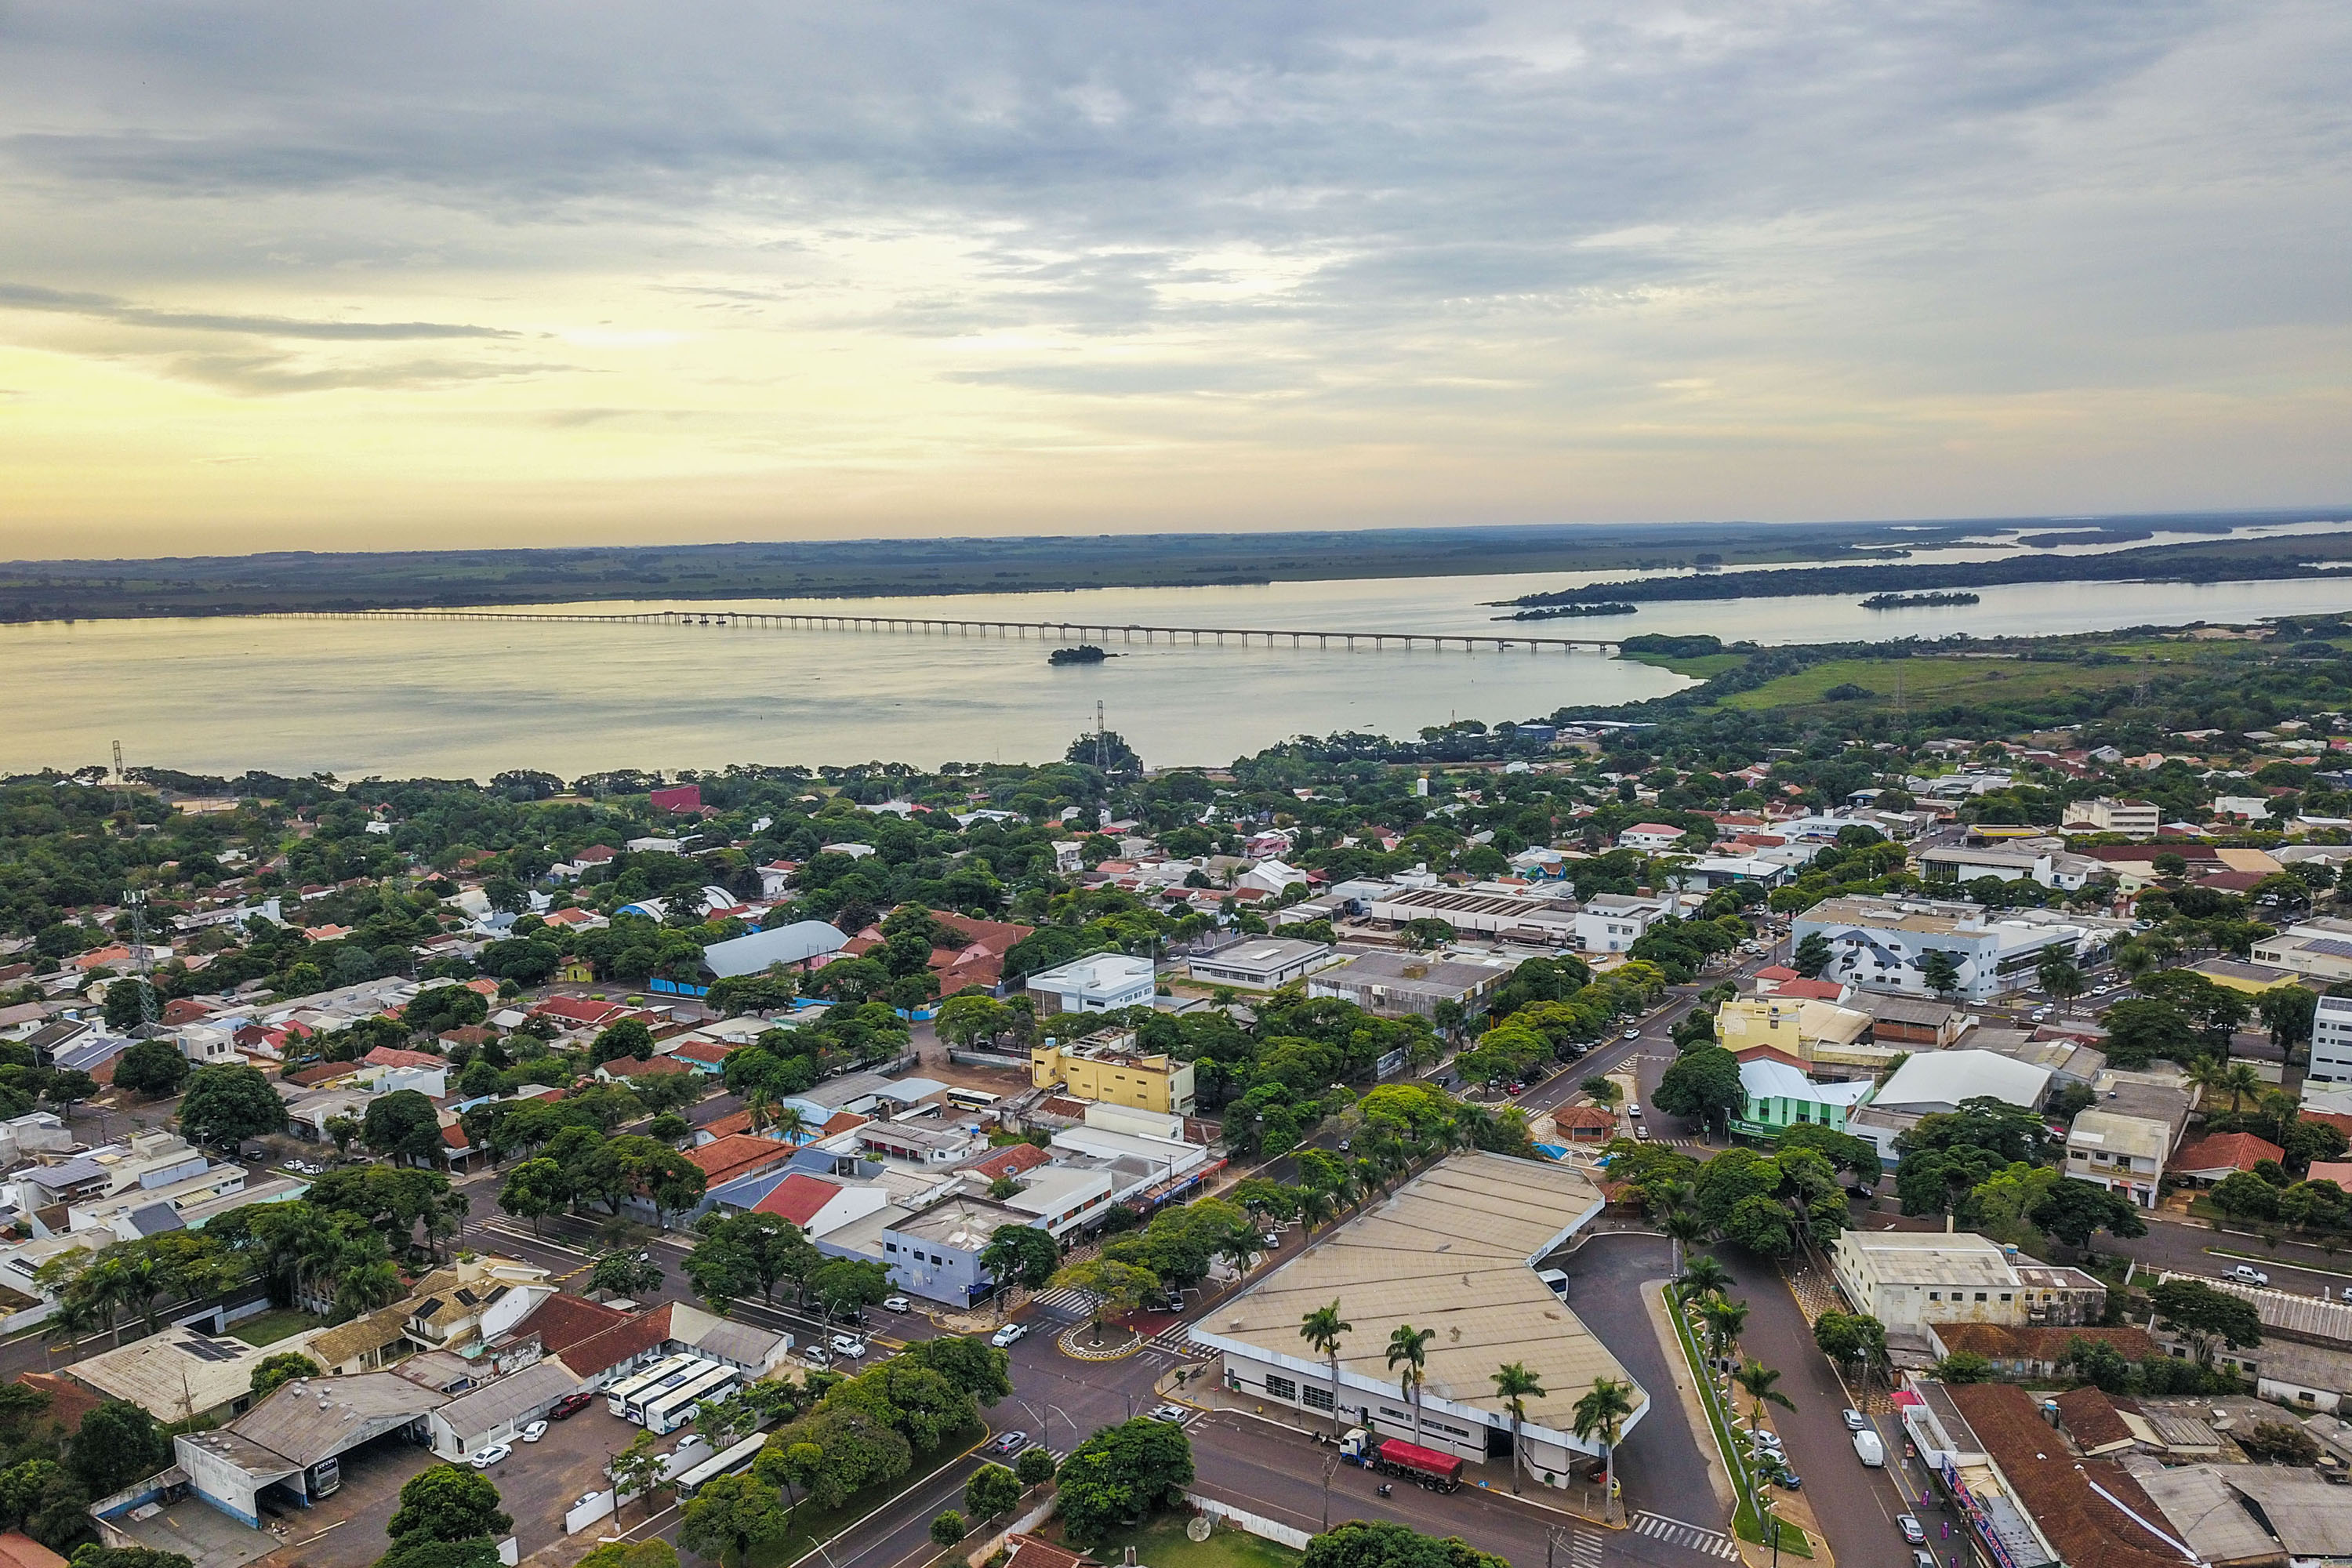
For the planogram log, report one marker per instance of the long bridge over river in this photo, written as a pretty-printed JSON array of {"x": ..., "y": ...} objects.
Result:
[{"x": 1063, "y": 631}]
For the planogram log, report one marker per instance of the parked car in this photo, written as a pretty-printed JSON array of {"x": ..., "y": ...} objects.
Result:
[
  {"x": 1634, "y": 1109},
  {"x": 533, "y": 1431},
  {"x": 490, "y": 1456},
  {"x": 1011, "y": 1442},
  {"x": 896, "y": 1304},
  {"x": 1010, "y": 1334},
  {"x": 1170, "y": 1413},
  {"x": 849, "y": 1345},
  {"x": 1911, "y": 1529},
  {"x": 1922, "y": 1558},
  {"x": 1272, "y": 1241},
  {"x": 1855, "y": 1421},
  {"x": 2246, "y": 1274},
  {"x": 570, "y": 1405},
  {"x": 817, "y": 1355}
]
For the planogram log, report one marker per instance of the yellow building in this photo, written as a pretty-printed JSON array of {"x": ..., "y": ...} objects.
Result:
[
  {"x": 1814, "y": 1031},
  {"x": 1104, "y": 1068}
]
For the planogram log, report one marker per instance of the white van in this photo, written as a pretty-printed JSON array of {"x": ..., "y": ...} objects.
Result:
[
  {"x": 1555, "y": 1282},
  {"x": 1869, "y": 1450}
]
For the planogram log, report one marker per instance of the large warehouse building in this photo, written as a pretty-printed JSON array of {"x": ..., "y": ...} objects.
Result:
[{"x": 1453, "y": 1250}]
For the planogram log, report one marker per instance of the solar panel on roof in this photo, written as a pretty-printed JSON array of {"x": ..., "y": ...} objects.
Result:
[{"x": 2329, "y": 946}]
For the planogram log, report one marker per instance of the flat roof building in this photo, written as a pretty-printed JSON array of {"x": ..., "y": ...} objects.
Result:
[
  {"x": 1262, "y": 963},
  {"x": 1908, "y": 1279},
  {"x": 1454, "y": 1250},
  {"x": 1882, "y": 945},
  {"x": 1394, "y": 984},
  {"x": 1104, "y": 982},
  {"x": 1106, "y": 1068}
]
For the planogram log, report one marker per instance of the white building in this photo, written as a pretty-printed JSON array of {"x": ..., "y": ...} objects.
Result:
[
  {"x": 1261, "y": 963},
  {"x": 1101, "y": 983},
  {"x": 1270, "y": 876},
  {"x": 2132, "y": 818},
  {"x": 1612, "y": 922},
  {"x": 1650, "y": 836},
  {"x": 1883, "y": 945},
  {"x": 2331, "y": 1043},
  {"x": 2053, "y": 868},
  {"x": 1906, "y": 1278},
  {"x": 2122, "y": 1153},
  {"x": 2318, "y": 949}
]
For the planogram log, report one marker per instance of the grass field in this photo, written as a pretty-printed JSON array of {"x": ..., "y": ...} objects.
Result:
[
  {"x": 1932, "y": 680},
  {"x": 1163, "y": 1545},
  {"x": 269, "y": 1327},
  {"x": 1705, "y": 666}
]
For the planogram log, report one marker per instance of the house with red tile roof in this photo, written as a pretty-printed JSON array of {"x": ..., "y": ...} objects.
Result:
[
  {"x": 976, "y": 956},
  {"x": 1009, "y": 1160},
  {"x": 394, "y": 1056},
  {"x": 623, "y": 1068},
  {"x": 736, "y": 1154},
  {"x": 819, "y": 1207},
  {"x": 2210, "y": 1159},
  {"x": 615, "y": 1352},
  {"x": 703, "y": 1055},
  {"x": 563, "y": 1322},
  {"x": 578, "y": 1011}
]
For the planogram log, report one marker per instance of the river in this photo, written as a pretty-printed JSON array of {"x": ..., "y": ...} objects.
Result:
[{"x": 467, "y": 699}]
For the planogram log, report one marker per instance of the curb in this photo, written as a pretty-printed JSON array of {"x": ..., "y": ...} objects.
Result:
[{"x": 1063, "y": 1344}]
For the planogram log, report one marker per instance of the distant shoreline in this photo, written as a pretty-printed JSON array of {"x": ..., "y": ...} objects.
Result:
[{"x": 893, "y": 568}]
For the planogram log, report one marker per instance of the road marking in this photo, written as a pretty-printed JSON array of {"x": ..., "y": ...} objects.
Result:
[
  {"x": 1682, "y": 1532},
  {"x": 1584, "y": 1548}
]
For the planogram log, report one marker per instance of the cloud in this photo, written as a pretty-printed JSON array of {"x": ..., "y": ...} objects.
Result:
[
  {"x": 269, "y": 375},
  {"x": 30, "y": 297}
]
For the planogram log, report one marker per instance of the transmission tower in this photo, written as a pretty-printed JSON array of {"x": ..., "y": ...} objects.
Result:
[
  {"x": 141, "y": 958},
  {"x": 121, "y": 783},
  {"x": 1102, "y": 759}
]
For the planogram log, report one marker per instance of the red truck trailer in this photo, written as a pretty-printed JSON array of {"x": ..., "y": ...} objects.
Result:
[{"x": 1410, "y": 1461}]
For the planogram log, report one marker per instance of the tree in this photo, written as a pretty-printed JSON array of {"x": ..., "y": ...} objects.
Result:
[
  {"x": 535, "y": 1189},
  {"x": 1324, "y": 1330},
  {"x": 276, "y": 1371},
  {"x": 1762, "y": 1225},
  {"x": 655, "y": 1554},
  {"x": 1851, "y": 1339},
  {"x": 1963, "y": 1366},
  {"x": 625, "y": 1274},
  {"x": 1601, "y": 1414},
  {"x": 1409, "y": 1348},
  {"x": 948, "y": 1528},
  {"x": 1514, "y": 1386},
  {"x": 1383, "y": 1543},
  {"x": 152, "y": 1068},
  {"x": 1021, "y": 1255},
  {"x": 118, "y": 1444},
  {"x": 1035, "y": 1467},
  {"x": 1811, "y": 956},
  {"x": 448, "y": 1502},
  {"x": 970, "y": 1366},
  {"x": 2201, "y": 1314},
  {"x": 2059, "y": 975},
  {"x": 991, "y": 1489},
  {"x": 1703, "y": 1084},
  {"x": 1757, "y": 1381},
  {"x": 1724, "y": 1320},
  {"x": 1704, "y": 1276},
  {"x": 403, "y": 1124},
  {"x": 2072, "y": 1210},
  {"x": 2286, "y": 1011},
  {"x": 626, "y": 1040},
  {"x": 1121, "y": 1475},
  {"x": 1117, "y": 1288},
  {"x": 638, "y": 1470},
  {"x": 90, "y": 1554},
  {"x": 1940, "y": 972},
  {"x": 418, "y": 1552},
  {"x": 1685, "y": 1229},
  {"x": 2099, "y": 1363},
  {"x": 224, "y": 1104},
  {"x": 732, "y": 1518}
]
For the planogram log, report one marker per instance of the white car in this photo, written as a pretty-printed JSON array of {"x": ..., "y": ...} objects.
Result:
[
  {"x": 1272, "y": 1241},
  {"x": 849, "y": 1345},
  {"x": 1634, "y": 1109},
  {"x": 1010, "y": 1334},
  {"x": 2244, "y": 1275},
  {"x": 817, "y": 1355},
  {"x": 1173, "y": 1414},
  {"x": 490, "y": 1456},
  {"x": 1855, "y": 1421},
  {"x": 534, "y": 1431},
  {"x": 896, "y": 1304},
  {"x": 1635, "y": 1033}
]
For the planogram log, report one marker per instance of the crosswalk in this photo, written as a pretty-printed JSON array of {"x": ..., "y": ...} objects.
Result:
[
  {"x": 1176, "y": 1339},
  {"x": 1698, "y": 1538},
  {"x": 1583, "y": 1547},
  {"x": 1068, "y": 1304}
]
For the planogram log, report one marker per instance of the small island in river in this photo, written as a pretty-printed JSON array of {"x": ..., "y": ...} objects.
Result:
[
  {"x": 1555, "y": 612},
  {"x": 1908, "y": 601},
  {"x": 1084, "y": 652}
]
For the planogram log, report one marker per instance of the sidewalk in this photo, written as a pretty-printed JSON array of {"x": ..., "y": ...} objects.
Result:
[{"x": 1205, "y": 1390}]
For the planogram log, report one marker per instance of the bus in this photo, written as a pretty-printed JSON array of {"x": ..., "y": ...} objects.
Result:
[
  {"x": 626, "y": 1398},
  {"x": 972, "y": 1100},
  {"x": 669, "y": 1411},
  {"x": 721, "y": 1464}
]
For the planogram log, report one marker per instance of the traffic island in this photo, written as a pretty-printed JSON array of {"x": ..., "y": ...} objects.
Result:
[
  {"x": 1116, "y": 1343},
  {"x": 1760, "y": 1506}
]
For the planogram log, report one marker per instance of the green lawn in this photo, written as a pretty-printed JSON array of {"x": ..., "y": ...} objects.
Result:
[
  {"x": 1929, "y": 681},
  {"x": 270, "y": 1327},
  {"x": 1163, "y": 1545},
  {"x": 1705, "y": 666}
]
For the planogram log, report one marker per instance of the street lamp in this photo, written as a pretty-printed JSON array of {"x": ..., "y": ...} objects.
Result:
[{"x": 1329, "y": 1465}]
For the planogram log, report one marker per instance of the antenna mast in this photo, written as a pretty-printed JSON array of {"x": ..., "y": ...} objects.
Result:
[
  {"x": 1101, "y": 758},
  {"x": 140, "y": 956}
]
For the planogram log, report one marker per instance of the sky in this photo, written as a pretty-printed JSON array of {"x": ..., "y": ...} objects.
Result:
[{"x": 331, "y": 275}]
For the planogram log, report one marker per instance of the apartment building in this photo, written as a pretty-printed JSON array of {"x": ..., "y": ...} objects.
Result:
[
  {"x": 2318, "y": 949},
  {"x": 2331, "y": 1042},
  {"x": 1106, "y": 1069},
  {"x": 1908, "y": 1279},
  {"x": 2132, "y": 818},
  {"x": 1883, "y": 945}
]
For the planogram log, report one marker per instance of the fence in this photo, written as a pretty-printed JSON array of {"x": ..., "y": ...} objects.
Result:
[
  {"x": 1256, "y": 1524},
  {"x": 995, "y": 1543}
]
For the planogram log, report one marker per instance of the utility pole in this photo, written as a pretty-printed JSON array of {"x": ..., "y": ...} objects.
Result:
[{"x": 121, "y": 784}]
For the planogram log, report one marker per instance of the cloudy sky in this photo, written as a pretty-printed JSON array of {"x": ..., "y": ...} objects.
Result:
[{"x": 337, "y": 276}]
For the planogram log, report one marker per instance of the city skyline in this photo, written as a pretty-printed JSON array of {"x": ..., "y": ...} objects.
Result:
[{"x": 337, "y": 279}]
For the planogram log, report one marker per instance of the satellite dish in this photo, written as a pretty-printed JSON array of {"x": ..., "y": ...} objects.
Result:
[{"x": 1198, "y": 1529}]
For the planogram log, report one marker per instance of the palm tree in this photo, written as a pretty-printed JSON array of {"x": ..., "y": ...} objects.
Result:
[
  {"x": 759, "y": 1107},
  {"x": 2242, "y": 1081},
  {"x": 1314, "y": 1208},
  {"x": 789, "y": 1123},
  {"x": 1600, "y": 1416},
  {"x": 1704, "y": 1276},
  {"x": 2211, "y": 1074},
  {"x": 1514, "y": 1384},
  {"x": 1323, "y": 1329},
  {"x": 1757, "y": 1380},
  {"x": 1409, "y": 1346},
  {"x": 1684, "y": 1228},
  {"x": 1724, "y": 1320}
]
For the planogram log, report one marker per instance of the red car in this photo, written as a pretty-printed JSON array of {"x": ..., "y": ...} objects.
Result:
[{"x": 570, "y": 1405}]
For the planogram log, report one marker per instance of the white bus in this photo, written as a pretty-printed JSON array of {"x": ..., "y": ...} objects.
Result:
[
  {"x": 626, "y": 1398},
  {"x": 720, "y": 1464},
  {"x": 972, "y": 1100},
  {"x": 669, "y": 1411}
]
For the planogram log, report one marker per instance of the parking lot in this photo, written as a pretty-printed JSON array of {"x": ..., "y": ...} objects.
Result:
[{"x": 541, "y": 1481}]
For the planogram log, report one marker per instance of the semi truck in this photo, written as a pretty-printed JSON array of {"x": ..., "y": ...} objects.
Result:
[{"x": 1408, "y": 1461}]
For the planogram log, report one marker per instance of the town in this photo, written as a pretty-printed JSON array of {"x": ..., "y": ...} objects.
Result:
[{"x": 1694, "y": 1132}]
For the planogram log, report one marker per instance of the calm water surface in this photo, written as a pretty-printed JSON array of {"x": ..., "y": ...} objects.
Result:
[{"x": 466, "y": 698}]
